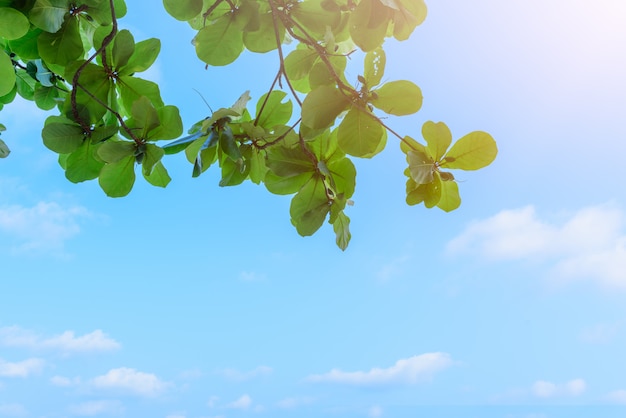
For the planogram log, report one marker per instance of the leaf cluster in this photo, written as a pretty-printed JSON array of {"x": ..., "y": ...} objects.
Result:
[{"x": 302, "y": 134}]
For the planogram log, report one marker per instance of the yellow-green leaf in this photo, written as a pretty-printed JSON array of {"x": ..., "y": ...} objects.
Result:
[
  {"x": 398, "y": 98},
  {"x": 438, "y": 138},
  {"x": 450, "y": 198},
  {"x": 7, "y": 74},
  {"x": 474, "y": 151},
  {"x": 359, "y": 134},
  {"x": 322, "y": 106}
]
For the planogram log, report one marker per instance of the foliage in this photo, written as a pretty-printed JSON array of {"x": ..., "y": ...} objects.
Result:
[{"x": 299, "y": 140}]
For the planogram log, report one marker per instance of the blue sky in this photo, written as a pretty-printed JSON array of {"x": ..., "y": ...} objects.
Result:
[{"x": 198, "y": 301}]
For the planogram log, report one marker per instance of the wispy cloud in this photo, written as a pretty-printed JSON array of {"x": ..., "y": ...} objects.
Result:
[
  {"x": 92, "y": 408},
  {"x": 295, "y": 402},
  {"x": 589, "y": 244},
  {"x": 12, "y": 410},
  {"x": 251, "y": 276},
  {"x": 375, "y": 412},
  {"x": 243, "y": 402},
  {"x": 22, "y": 369},
  {"x": 41, "y": 229},
  {"x": 600, "y": 333},
  {"x": 392, "y": 268},
  {"x": 239, "y": 376},
  {"x": 66, "y": 342},
  {"x": 545, "y": 389},
  {"x": 130, "y": 381},
  {"x": 617, "y": 396},
  {"x": 62, "y": 381},
  {"x": 406, "y": 371}
]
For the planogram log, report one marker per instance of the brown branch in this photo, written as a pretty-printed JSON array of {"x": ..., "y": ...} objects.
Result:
[
  {"x": 281, "y": 56},
  {"x": 105, "y": 42}
]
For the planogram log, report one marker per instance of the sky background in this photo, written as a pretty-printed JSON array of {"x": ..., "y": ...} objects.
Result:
[{"x": 203, "y": 302}]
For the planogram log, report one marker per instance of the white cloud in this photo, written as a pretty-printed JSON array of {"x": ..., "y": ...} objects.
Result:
[
  {"x": 244, "y": 402},
  {"x": 64, "y": 382},
  {"x": 212, "y": 401},
  {"x": 239, "y": 376},
  {"x": 43, "y": 228},
  {"x": 12, "y": 410},
  {"x": 251, "y": 276},
  {"x": 375, "y": 412},
  {"x": 617, "y": 396},
  {"x": 290, "y": 403},
  {"x": 589, "y": 244},
  {"x": 600, "y": 333},
  {"x": 91, "y": 408},
  {"x": 392, "y": 268},
  {"x": 405, "y": 371},
  {"x": 67, "y": 342},
  {"x": 130, "y": 381},
  {"x": 21, "y": 368},
  {"x": 545, "y": 389}
]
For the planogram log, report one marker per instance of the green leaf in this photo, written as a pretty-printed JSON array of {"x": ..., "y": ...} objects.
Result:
[
  {"x": 343, "y": 177},
  {"x": 117, "y": 179},
  {"x": 288, "y": 161},
  {"x": 221, "y": 42},
  {"x": 7, "y": 74},
  {"x": 289, "y": 169},
  {"x": 159, "y": 176},
  {"x": 132, "y": 89},
  {"x": 274, "y": 112},
  {"x": 63, "y": 46},
  {"x": 359, "y": 134},
  {"x": 316, "y": 15},
  {"x": 4, "y": 149},
  {"x": 415, "y": 194},
  {"x": 256, "y": 160},
  {"x": 46, "y": 97},
  {"x": 263, "y": 39},
  {"x": 285, "y": 185},
  {"x": 368, "y": 24},
  {"x": 83, "y": 164},
  {"x": 438, "y": 137},
  {"x": 341, "y": 226},
  {"x": 26, "y": 46},
  {"x": 422, "y": 167},
  {"x": 407, "y": 17},
  {"x": 472, "y": 152},
  {"x": 13, "y": 23},
  {"x": 433, "y": 192},
  {"x": 113, "y": 151},
  {"x": 322, "y": 106},
  {"x": 171, "y": 125},
  {"x": 233, "y": 172},
  {"x": 152, "y": 156},
  {"x": 450, "y": 198},
  {"x": 398, "y": 98},
  {"x": 299, "y": 62},
  {"x": 374, "y": 67},
  {"x": 145, "y": 116},
  {"x": 183, "y": 9},
  {"x": 102, "y": 133},
  {"x": 25, "y": 84},
  {"x": 146, "y": 52},
  {"x": 228, "y": 145},
  {"x": 123, "y": 48},
  {"x": 49, "y": 14},
  {"x": 181, "y": 144},
  {"x": 62, "y": 138},
  {"x": 309, "y": 207}
]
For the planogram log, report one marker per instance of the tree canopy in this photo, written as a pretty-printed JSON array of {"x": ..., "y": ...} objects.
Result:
[{"x": 298, "y": 139}]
